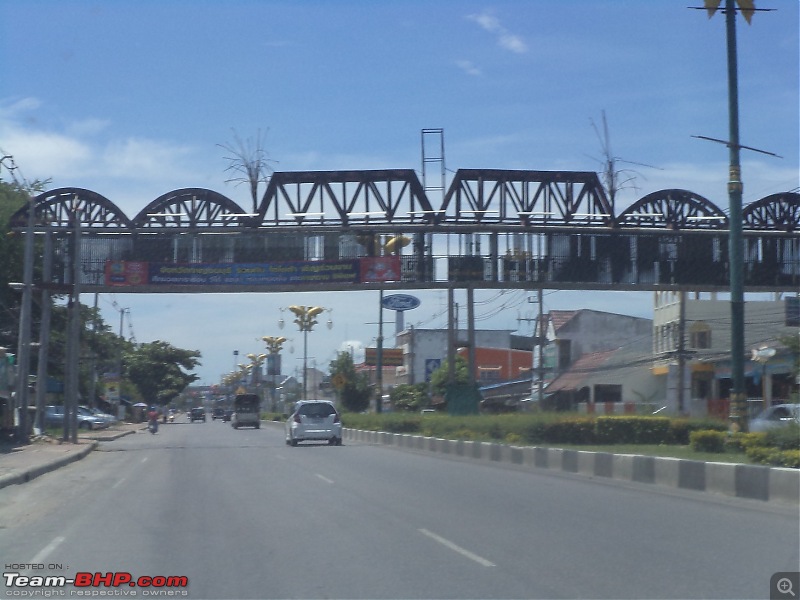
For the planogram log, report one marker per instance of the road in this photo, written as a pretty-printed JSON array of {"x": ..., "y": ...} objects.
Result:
[{"x": 242, "y": 515}]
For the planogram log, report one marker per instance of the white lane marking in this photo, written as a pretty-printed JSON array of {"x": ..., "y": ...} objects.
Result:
[
  {"x": 45, "y": 552},
  {"x": 325, "y": 479},
  {"x": 455, "y": 547},
  {"x": 118, "y": 483},
  {"x": 144, "y": 460}
]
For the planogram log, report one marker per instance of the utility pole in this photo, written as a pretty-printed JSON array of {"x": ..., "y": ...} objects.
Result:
[
  {"x": 738, "y": 399},
  {"x": 537, "y": 341},
  {"x": 74, "y": 334},
  {"x": 44, "y": 333},
  {"x": 24, "y": 340},
  {"x": 379, "y": 365}
]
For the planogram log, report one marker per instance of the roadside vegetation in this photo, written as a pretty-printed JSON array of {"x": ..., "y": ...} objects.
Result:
[{"x": 694, "y": 439}]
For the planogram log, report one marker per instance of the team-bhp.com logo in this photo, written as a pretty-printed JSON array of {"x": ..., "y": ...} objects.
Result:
[{"x": 94, "y": 584}]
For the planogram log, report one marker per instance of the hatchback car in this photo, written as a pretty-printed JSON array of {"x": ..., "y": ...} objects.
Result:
[
  {"x": 316, "y": 420},
  {"x": 776, "y": 416},
  {"x": 54, "y": 417}
]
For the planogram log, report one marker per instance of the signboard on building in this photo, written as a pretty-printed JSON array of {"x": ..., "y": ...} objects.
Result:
[
  {"x": 390, "y": 357},
  {"x": 400, "y": 302},
  {"x": 431, "y": 365}
]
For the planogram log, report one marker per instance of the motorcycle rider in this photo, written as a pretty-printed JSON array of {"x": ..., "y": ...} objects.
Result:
[{"x": 152, "y": 418}]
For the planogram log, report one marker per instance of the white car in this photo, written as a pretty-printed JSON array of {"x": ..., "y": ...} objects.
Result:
[
  {"x": 314, "y": 420},
  {"x": 776, "y": 416}
]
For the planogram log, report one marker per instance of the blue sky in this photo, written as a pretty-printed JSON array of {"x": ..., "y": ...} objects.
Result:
[{"x": 132, "y": 98}]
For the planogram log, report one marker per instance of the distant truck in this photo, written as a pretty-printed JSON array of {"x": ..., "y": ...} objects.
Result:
[{"x": 246, "y": 411}]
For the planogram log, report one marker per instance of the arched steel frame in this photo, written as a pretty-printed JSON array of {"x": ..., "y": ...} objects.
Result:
[
  {"x": 190, "y": 208},
  {"x": 511, "y": 227},
  {"x": 778, "y": 212},
  {"x": 673, "y": 210},
  {"x": 57, "y": 209}
]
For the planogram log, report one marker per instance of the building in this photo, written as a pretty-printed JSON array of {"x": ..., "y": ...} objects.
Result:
[
  {"x": 425, "y": 350},
  {"x": 596, "y": 361},
  {"x": 691, "y": 347},
  {"x": 574, "y": 333}
]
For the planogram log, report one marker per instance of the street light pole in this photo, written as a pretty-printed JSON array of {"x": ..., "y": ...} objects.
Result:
[
  {"x": 306, "y": 318},
  {"x": 738, "y": 400}
]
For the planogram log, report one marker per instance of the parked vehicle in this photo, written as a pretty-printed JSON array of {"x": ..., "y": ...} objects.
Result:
[
  {"x": 54, "y": 417},
  {"x": 246, "y": 411},
  {"x": 779, "y": 415},
  {"x": 198, "y": 413},
  {"x": 314, "y": 420},
  {"x": 110, "y": 419}
]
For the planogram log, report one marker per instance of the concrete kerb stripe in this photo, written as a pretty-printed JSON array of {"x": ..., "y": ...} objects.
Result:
[
  {"x": 25, "y": 475},
  {"x": 743, "y": 481}
]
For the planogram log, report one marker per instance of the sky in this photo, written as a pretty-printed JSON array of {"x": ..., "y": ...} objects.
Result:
[{"x": 134, "y": 98}]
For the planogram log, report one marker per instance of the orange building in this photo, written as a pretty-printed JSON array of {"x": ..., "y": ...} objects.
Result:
[{"x": 499, "y": 364}]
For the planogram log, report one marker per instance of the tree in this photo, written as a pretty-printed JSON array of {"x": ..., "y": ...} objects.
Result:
[
  {"x": 439, "y": 376},
  {"x": 157, "y": 370},
  {"x": 249, "y": 164},
  {"x": 411, "y": 398},
  {"x": 354, "y": 388},
  {"x": 614, "y": 179},
  {"x": 13, "y": 196}
]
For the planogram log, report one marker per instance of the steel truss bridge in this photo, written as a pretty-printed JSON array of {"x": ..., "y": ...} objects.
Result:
[{"x": 343, "y": 230}]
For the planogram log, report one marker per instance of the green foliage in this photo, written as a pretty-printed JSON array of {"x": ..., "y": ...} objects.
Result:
[
  {"x": 156, "y": 369},
  {"x": 633, "y": 430},
  {"x": 680, "y": 429},
  {"x": 784, "y": 438},
  {"x": 778, "y": 447},
  {"x": 774, "y": 456},
  {"x": 572, "y": 430},
  {"x": 707, "y": 441},
  {"x": 410, "y": 398},
  {"x": 740, "y": 442},
  {"x": 11, "y": 262},
  {"x": 439, "y": 376},
  {"x": 391, "y": 422},
  {"x": 356, "y": 391}
]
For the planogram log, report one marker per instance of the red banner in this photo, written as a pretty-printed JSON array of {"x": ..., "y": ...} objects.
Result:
[{"x": 380, "y": 268}]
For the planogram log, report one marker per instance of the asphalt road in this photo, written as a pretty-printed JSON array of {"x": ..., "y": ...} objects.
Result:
[{"x": 242, "y": 515}]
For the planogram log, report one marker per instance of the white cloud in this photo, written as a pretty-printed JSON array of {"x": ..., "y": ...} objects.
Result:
[
  {"x": 505, "y": 39},
  {"x": 143, "y": 158},
  {"x": 44, "y": 154},
  {"x": 468, "y": 67}
]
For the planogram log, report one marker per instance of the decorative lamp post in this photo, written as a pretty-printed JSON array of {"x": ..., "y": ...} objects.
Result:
[
  {"x": 274, "y": 345},
  {"x": 306, "y": 318},
  {"x": 738, "y": 400},
  {"x": 761, "y": 355},
  {"x": 256, "y": 360}
]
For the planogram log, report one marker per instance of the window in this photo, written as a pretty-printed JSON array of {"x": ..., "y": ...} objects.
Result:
[
  {"x": 700, "y": 335},
  {"x": 604, "y": 392}
]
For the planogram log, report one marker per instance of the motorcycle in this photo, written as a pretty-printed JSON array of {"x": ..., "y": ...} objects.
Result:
[
  {"x": 152, "y": 427},
  {"x": 171, "y": 417}
]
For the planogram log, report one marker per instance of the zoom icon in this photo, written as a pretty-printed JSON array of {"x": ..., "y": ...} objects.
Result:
[{"x": 784, "y": 585}]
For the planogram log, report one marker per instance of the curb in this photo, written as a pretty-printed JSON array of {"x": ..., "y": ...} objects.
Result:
[
  {"x": 25, "y": 475},
  {"x": 755, "y": 482}
]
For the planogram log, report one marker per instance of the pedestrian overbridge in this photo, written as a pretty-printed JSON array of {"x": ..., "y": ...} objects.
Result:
[{"x": 346, "y": 230}]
